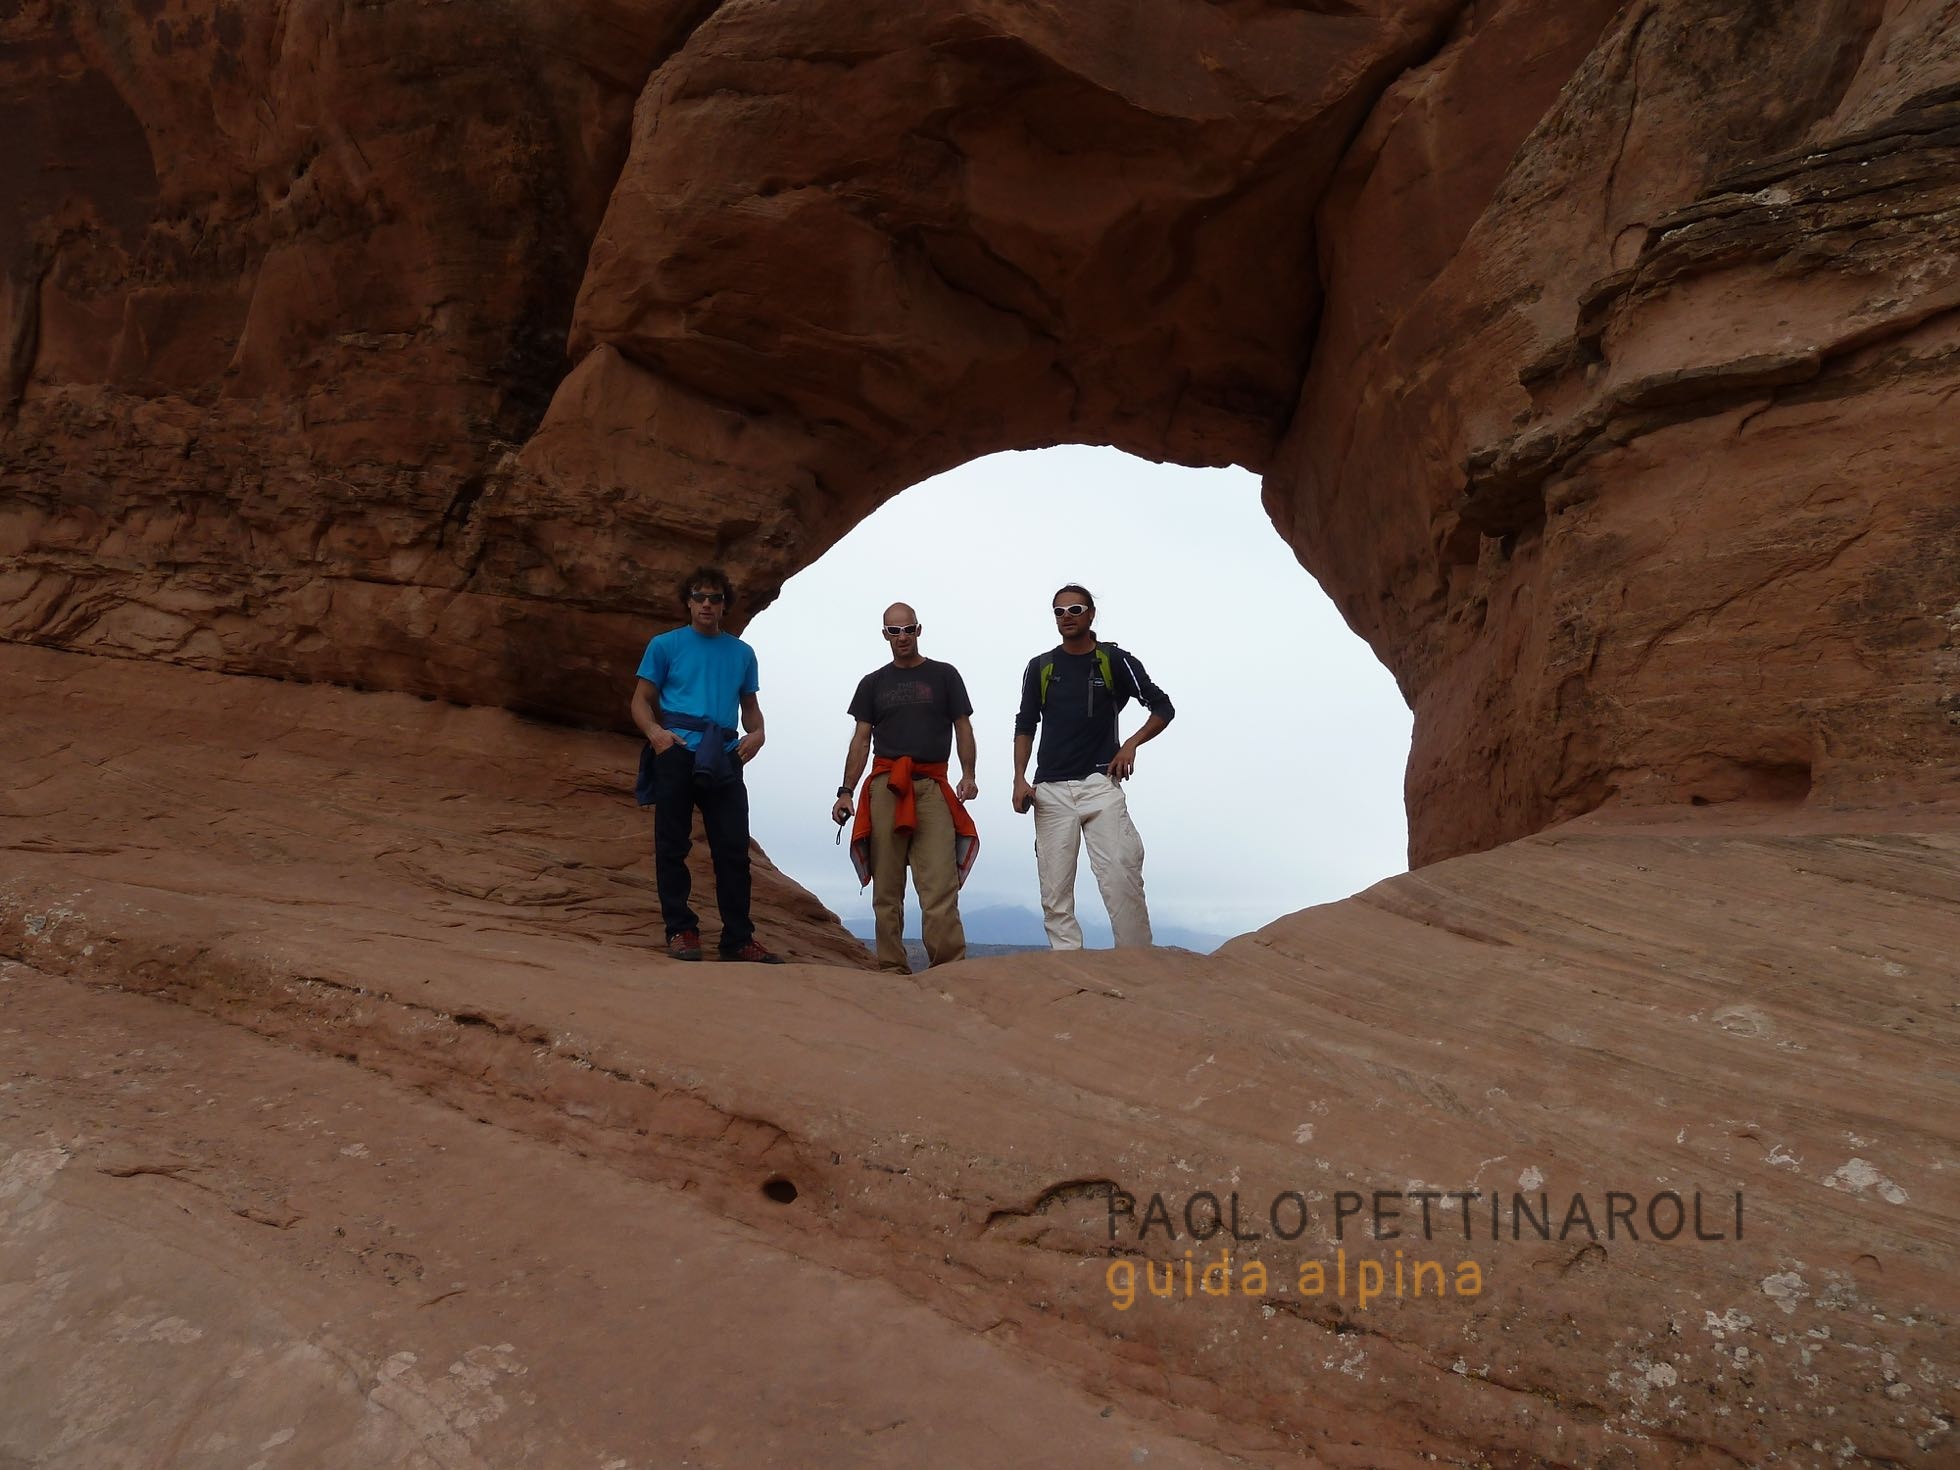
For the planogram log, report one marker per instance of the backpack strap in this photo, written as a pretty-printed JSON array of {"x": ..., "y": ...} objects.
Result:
[
  {"x": 1108, "y": 670},
  {"x": 1103, "y": 651}
]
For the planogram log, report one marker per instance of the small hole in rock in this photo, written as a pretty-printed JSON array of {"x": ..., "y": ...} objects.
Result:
[{"x": 781, "y": 1191}]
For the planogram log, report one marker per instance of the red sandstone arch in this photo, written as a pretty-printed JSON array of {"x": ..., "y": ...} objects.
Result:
[{"x": 1596, "y": 355}]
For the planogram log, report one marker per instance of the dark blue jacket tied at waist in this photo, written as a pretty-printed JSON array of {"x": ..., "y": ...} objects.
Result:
[{"x": 713, "y": 762}]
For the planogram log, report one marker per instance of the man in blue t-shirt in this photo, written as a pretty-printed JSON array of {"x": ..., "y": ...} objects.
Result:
[{"x": 693, "y": 681}]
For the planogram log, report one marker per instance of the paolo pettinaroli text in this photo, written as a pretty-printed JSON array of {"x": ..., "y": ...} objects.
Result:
[{"x": 1429, "y": 1214}]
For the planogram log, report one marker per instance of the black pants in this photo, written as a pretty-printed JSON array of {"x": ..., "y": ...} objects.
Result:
[{"x": 725, "y": 815}]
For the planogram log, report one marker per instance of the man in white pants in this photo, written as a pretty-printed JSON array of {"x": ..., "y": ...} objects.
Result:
[{"x": 1074, "y": 693}]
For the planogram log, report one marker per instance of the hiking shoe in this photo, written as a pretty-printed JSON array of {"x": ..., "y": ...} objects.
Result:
[
  {"x": 685, "y": 945},
  {"x": 752, "y": 954}
]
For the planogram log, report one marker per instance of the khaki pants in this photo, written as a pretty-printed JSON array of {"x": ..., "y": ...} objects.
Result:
[
  {"x": 935, "y": 875},
  {"x": 1066, "y": 815}
]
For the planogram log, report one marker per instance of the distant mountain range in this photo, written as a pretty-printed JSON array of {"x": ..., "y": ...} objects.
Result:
[{"x": 1004, "y": 928}]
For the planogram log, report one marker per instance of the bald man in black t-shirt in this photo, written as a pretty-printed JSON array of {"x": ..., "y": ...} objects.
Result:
[{"x": 913, "y": 711}]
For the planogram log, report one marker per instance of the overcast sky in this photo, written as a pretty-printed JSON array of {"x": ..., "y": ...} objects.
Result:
[{"x": 1279, "y": 785}]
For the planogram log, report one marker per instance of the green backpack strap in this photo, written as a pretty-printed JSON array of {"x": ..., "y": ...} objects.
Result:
[{"x": 1102, "y": 662}]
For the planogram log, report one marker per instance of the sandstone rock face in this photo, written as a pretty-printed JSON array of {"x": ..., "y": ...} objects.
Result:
[
  {"x": 1650, "y": 449},
  {"x": 282, "y": 282},
  {"x": 1011, "y": 225},
  {"x": 1595, "y": 353}
]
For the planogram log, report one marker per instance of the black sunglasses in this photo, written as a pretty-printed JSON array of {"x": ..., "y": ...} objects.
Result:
[
  {"x": 1073, "y": 610},
  {"x": 707, "y": 597},
  {"x": 902, "y": 630}
]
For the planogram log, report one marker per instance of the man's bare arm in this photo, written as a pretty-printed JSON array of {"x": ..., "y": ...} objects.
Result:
[
  {"x": 968, "y": 788},
  {"x": 752, "y": 723},
  {"x": 646, "y": 697},
  {"x": 854, "y": 759}
]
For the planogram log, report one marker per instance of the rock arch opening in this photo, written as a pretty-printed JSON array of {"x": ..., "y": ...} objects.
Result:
[
  {"x": 1596, "y": 482},
  {"x": 1278, "y": 786}
]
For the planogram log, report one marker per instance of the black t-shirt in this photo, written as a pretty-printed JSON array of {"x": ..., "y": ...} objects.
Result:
[{"x": 911, "y": 711}]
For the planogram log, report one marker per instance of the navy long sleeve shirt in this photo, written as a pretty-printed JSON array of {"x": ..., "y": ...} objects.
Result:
[{"x": 1078, "y": 717}]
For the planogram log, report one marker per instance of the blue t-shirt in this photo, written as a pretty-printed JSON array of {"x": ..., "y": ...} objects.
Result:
[{"x": 700, "y": 676}]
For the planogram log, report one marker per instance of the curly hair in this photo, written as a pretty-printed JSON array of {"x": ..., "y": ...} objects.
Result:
[{"x": 708, "y": 577}]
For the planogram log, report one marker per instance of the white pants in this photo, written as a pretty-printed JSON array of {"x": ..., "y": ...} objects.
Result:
[{"x": 1067, "y": 814}]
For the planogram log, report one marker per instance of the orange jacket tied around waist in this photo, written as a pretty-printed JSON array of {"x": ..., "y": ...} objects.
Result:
[{"x": 898, "y": 776}]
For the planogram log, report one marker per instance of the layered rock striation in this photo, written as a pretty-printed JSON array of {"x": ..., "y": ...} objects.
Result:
[
  {"x": 283, "y": 283},
  {"x": 1648, "y": 446}
]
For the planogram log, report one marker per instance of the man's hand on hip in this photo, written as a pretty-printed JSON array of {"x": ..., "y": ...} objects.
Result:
[{"x": 1123, "y": 764}]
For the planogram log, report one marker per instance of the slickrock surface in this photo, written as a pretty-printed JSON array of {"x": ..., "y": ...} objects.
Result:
[
  {"x": 310, "y": 1164},
  {"x": 235, "y": 1252},
  {"x": 479, "y": 826}
]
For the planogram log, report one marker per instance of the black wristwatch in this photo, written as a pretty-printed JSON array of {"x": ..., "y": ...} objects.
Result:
[{"x": 843, "y": 791}]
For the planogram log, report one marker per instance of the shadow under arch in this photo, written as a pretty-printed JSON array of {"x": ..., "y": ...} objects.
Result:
[{"x": 1278, "y": 786}]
